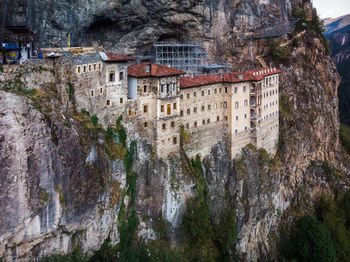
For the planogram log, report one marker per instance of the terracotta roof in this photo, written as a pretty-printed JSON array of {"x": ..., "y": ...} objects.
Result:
[
  {"x": 118, "y": 58},
  {"x": 234, "y": 77},
  {"x": 260, "y": 73},
  {"x": 147, "y": 69}
]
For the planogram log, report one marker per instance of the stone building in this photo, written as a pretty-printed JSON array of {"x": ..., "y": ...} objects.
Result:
[
  {"x": 155, "y": 101},
  {"x": 239, "y": 108},
  {"x": 154, "y": 97}
]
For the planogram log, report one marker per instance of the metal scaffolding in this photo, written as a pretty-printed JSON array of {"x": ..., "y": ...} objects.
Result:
[{"x": 187, "y": 57}]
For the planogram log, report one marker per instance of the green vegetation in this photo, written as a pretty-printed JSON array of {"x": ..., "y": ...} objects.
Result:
[
  {"x": 94, "y": 120},
  {"x": 44, "y": 196},
  {"x": 207, "y": 241},
  {"x": 75, "y": 256},
  {"x": 70, "y": 91},
  {"x": 277, "y": 53},
  {"x": 315, "y": 24},
  {"x": 285, "y": 107},
  {"x": 344, "y": 134},
  {"x": 309, "y": 241},
  {"x": 335, "y": 215}
]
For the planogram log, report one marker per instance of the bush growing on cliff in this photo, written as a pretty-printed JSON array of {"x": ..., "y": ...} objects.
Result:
[
  {"x": 310, "y": 241},
  {"x": 94, "y": 120},
  {"x": 344, "y": 134},
  {"x": 335, "y": 215}
]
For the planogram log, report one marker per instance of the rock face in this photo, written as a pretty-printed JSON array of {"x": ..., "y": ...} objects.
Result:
[
  {"x": 58, "y": 187},
  {"x": 131, "y": 26}
]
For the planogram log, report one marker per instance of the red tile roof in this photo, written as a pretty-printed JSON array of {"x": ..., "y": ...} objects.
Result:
[
  {"x": 118, "y": 58},
  {"x": 251, "y": 75},
  {"x": 147, "y": 69}
]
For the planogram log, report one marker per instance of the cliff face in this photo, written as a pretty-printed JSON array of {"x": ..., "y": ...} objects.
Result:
[
  {"x": 59, "y": 189},
  {"x": 130, "y": 26}
]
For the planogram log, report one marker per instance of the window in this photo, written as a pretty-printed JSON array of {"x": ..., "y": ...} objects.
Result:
[
  {"x": 79, "y": 69},
  {"x": 162, "y": 89},
  {"x": 84, "y": 69},
  {"x": 245, "y": 102},
  {"x": 245, "y": 128},
  {"x": 145, "y": 108},
  {"x": 101, "y": 90},
  {"x": 129, "y": 112},
  {"x": 188, "y": 111},
  {"x": 226, "y": 118},
  {"x": 195, "y": 124},
  {"x": 99, "y": 66},
  {"x": 217, "y": 119},
  {"x": 245, "y": 115},
  {"x": 174, "y": 87},
  {"x": 236, "y": 88},
  {"x": 94, "y": 67},
  {"x": 145, "y": 125},
  {"x": 244, "y": 88},
  {"x": 108, "y": 103},
  {"x": 121, "y": 76},
  {"x": 181, "y": 96},
  {"x": 111, "y": 77},
  {"x": 144, "y": 89},
  {"x": 220, "y": 90},
  {"x": 209, "y": 107},
  {"x": 195, "y": 110},
  {"x": 162, "y": 108},
  {"x": 215, "y": 91},
  {"x": 175, "y": 140},
  {"x": 236, "y": 118},
  {"x": 203, "y": 121},
  {"x": 164, "y": 126},
  {"x": 208, "y": 91},
  {"x": 225, "y": 104},
  {"x": 203, "y": 108},
  {"x": 236, "y": 131},
  {"x": 181, "y": 113},
  {"x": 92, "y": 92},
  {"x": 236, "y": 104},
  {"x": 121, "y": 100},
  {"x": 203, "y": 93},
  {"x": 172, "y": 124},
  {"x": 90, "y": 67},
  {"x": 225, "y": 90},
  {"x": 188, "y": 95},
  {"x": 168, "y": 88},
  {"x": 208, "y": 121},
  {"x": 195, "y": 94},
  {"x": 168, "y": 109},
  {"x": 174, "y": 106}
]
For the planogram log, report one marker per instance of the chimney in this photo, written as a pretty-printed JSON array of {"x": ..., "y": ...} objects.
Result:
[
  {"x": 240, "y": 77},
  {"x": 147, "y": 68},
  {"x": 221, "y": 76}
]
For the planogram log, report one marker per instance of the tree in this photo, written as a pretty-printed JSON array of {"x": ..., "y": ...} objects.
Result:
[{"x": 311, "y": 241}]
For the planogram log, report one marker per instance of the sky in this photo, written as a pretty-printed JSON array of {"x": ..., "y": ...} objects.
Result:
[{"x": 332, "y": 8}]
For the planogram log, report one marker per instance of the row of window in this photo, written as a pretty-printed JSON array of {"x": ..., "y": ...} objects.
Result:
[
  {"x": 208, "y": 92},
  {"x": 111, "y": 75},
  {"x": 272, "y": 92},
  {"x": 271, "y": 114},
  {"x": 166, "y": 88},
  {"x": 89, "y": 68},
  {"x": 271, "y": 104}
]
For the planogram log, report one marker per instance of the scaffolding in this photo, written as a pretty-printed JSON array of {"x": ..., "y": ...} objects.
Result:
[{"x": 187, "y": 57}]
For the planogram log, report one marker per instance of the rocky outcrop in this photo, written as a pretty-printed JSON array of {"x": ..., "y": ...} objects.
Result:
[{"x": 59, "y": 189}]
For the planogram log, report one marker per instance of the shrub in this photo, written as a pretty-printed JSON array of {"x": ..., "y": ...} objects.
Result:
[
  {"x": 94, "y": 120},
  {"x": 344, "y": 134},
  {"x": 310, "y": 241}
]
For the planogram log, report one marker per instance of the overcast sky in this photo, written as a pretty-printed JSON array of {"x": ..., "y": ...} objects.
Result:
[{"x": 332, "y": 8}]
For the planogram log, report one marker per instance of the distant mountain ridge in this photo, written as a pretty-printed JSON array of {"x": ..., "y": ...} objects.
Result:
[{"x": 334, "y": 24}]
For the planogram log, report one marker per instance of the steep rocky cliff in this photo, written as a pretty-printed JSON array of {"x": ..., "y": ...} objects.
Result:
[{"x": 60, "y": 190}]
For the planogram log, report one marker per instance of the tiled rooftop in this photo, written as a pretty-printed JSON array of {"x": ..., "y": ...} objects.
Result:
[
  {"x": 147, "y": 69},
  {"x": 251, "y": 75}
]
